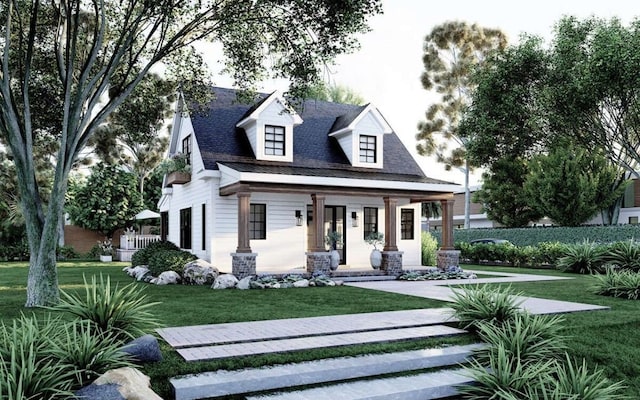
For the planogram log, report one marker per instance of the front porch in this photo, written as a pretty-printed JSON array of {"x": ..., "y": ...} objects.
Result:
[
  {"x": 245, "y": 259},
  {"x": 129, "y": 244}
]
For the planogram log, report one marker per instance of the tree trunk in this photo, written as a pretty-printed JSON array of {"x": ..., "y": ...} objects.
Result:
[
  {"x": 467, "y": 197},
  {"x": 611, "y": 214}
]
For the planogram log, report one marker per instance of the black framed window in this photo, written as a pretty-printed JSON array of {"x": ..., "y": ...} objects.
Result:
[
  {"x": 406, "y": 224},
  {"x": 370, "y": 223},
  {"x": 367, "y": 149},
  {"x": 164, "y": 225},
  {"x": 274, "y": 140},
  {"x": 185, "y": 228},
  {"x": 186, "y": 148},
  {"x": 204, "y": 227},
  {"x": 258, "y": 221}
]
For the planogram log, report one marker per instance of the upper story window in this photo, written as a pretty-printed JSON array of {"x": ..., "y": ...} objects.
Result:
[
  {"x": 186, "y": 148},
  {"x": 274, "y": 140},
  {"x": 368, "y": 149}
]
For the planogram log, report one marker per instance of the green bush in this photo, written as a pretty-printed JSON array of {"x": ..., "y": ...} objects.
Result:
[
  {"x": 67, "y": 253},
  {"x": 141, "y": 257},
  {"x": 623, "y": 284},
  {"x": 169, "y": 260},
  {"x": 582, "y": 258},
  {"x": 549, "y": 252},
  {"x": 625, "y": 255},
  {"x": 82, "y": 349},
  {"x": 429, "y": 248},
  {"x": 120, "y": 313},
  {"x": 495, "y": 305}
]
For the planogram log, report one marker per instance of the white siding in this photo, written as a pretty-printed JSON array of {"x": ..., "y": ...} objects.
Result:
[
  {"x": 346, "y": 142},
  {"x": 370, "y": 127}
]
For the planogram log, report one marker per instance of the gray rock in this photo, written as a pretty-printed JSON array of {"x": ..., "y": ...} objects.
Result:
[
  {"x": 139, "y": 272},
  {"x": 144, "y": 349},
  {"x": 244, "y": 283},
  {"x": 199, "y": 272},
  {"x": 168, "y": 278},
  {"x": 100, "y": 392},
  {"x": 256, "y": 285},
  {"x": 301, "y": 283},
  {"x": 225, "y": 281}
]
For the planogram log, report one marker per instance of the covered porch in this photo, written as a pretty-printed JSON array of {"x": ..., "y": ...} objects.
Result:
[{"x": 244, "y": 259}]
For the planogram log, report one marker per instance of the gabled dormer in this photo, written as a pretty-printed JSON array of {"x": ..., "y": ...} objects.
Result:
[
  {"x": 269, "y": 128},
  {"x": 361, "y": 136}
]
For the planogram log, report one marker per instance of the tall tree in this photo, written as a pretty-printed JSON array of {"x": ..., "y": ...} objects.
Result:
[
  {"x": 335, "y": 93},
  {"x": 101, "y": 50},
  {"x": 570, "y": 186},
  {"x": 502, "y": 195},
  {"x": 451, "y": 51}
]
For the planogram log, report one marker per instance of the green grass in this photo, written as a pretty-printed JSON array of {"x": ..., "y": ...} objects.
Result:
[{"x": 609, "y": 339}]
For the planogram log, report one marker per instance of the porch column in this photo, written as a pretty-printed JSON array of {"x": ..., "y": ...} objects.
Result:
[
  {"x": 244, "y": 245},
  {"x": 447, "y": 224},
  {"x": 447, "y": 256},
  {"x": 391, "y": 257},
  {"x": 390, "y": 224},
  {"x": 318, "y": 222},
  {"x": 318, "y": 259}
]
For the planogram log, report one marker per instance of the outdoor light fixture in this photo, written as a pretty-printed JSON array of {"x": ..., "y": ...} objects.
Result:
[
  {"x": 354, "y": 219},
  {"x": 298, "y": 217}
]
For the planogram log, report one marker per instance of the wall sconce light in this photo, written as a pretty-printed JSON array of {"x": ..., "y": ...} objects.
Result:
[
  {"x": 298, "y": 218},
  {"x": 354, "y": 219}
]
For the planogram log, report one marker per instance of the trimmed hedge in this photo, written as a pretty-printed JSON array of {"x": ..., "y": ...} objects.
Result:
[{"x": 534, "y": 235}]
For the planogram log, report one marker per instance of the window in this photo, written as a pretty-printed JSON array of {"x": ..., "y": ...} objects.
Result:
[
  {"x": 274, "y": 140},
  {"x": 367, "y": 149},
  {"x": 370, "y": 223},
  {"x": 164, "y": 225},
  {"x": 185, "y": 228},
  {"x": 204, "y": 227},
  {"x": 406, "y": 224},
  {"x": 633, "y": 220},
  {"x": 186, "y": 148},
  {"x": 258, "y": 221}
]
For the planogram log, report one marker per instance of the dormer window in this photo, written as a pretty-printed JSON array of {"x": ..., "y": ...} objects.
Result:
[
  {"x": 274, "y": 140},
  {"x": 367, "y": 149}
]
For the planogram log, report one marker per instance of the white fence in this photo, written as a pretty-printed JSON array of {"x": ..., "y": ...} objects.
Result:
[{"x": 136, "y": 242}]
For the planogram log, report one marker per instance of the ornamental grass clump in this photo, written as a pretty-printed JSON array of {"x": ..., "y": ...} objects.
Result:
[
  {"x": 623, "y": 284},
  {"x": 624, "y": 255},
  {"x": 582, "y": 258},
  {"x": 494, "y": 305},
  {"x": 120, "y": 313}
]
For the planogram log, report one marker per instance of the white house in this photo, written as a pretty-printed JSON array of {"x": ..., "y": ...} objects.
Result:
[{"x": 268, "y": 183}]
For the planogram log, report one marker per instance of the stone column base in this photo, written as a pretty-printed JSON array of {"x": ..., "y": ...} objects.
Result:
[
  {"x": 318, "y": 262},
  {"x": 243, "y": 264},
  {"x": 392, "y": 263},
  {"x": 447, "y": 258}
]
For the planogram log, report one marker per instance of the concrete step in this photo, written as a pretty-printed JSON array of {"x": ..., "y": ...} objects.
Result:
[
  {"x": 314, "y": 342},
  {"x": 365, "y": 278},
  {"x": 425, "y": 386},
  {"x": 225, "y": 383}
]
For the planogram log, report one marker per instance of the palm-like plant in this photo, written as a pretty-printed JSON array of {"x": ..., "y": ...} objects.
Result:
[{"x": 583, "y": 258}]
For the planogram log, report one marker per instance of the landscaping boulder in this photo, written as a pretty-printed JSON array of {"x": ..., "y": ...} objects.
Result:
[
  {"x": 244, "y": 283},
  {"x": 107, "y": 391},
  {"x": 225, "y": 281},
  {"x": 144, "y": 349},
  {"x": 301, "y": 283},
  {"x": 140, "y": 272},
  {"x": 168, "y": 278},
  {"x": 131, "y": 384},
  {"x": 199, "y": 272}
]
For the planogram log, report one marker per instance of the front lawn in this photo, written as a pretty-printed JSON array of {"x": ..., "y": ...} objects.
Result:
[{"x": 607, "y": 338}]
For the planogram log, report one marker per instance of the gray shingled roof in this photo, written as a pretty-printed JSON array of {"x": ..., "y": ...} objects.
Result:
[{"x": 314, "y": 152}]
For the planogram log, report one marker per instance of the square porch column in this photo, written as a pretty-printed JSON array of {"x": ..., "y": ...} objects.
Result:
[
  {"x": 318, "y": 258},
  {"x": 447, "y": 256},
  {"x": 243, "y": 261}
]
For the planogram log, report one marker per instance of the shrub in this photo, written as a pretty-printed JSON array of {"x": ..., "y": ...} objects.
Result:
[
  {"x": 429, "y": 248},
  {"x": 141, "y": 257},
  {"x": 27, "y": 369},
  {"x": 82, "y": 349},
  {"x": 624, "y": 284},
  {"x": 582, "y": 258},
  {"x": 550, "y": 252},
  {"x": 169, "y": 260},
  {"x": 577, "y": 382},
  {"x": 625, "y": 255},
  {"x": 495, "y": 305},
  {"x": 118, "y": 313},
  {"x": 67, "y": 253}
]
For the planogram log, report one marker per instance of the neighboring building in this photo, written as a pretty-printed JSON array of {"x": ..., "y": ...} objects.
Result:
[{"x": 267, "y": 184}]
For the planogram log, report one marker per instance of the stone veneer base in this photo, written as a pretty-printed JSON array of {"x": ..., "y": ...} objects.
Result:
[
  {"x": 318, "y": 262},
  {"x": 392, "y": 263},
  {"x": 447, "y": 258},
  {"x": 243, "y": 264}
]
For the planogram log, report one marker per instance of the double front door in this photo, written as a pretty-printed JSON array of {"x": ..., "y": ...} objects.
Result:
[{"x": 334, "y": 221}]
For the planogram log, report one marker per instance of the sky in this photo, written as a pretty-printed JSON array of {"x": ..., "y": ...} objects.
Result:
[{"x": 386, "y": 69}]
